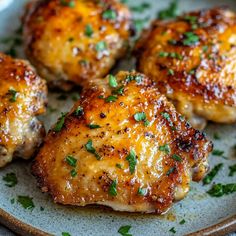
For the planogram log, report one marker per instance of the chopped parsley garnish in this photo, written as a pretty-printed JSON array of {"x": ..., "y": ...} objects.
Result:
[
  {"x": 62, "y": 97},
  {"x": 142, "y": 191},
  {"x": 112, "y": 81},
  {"x": 84, "y": 62},
  {"x": 172, "y": 41},
  {"x": 66, "y": 3},
  {"x": 10, "y": 179},
  {"x": 219, "y": 190},
  {"x": 165, "y": 148},
  {"x": 65, "y": 234},
  {"x": 94, "y": 126},
  {"x": 217, "y": 152},
  {"x": 109, "y": 14},
  {"x": 13, "y": 94},
  {"x": 119, "y": 91},
  {"x": 141, "y": 116},
  {"x": 232, "y": 170},
  {"x": 101, "y": 97},
  {"x": 131, "y": 158},
  {"x": 79, "y": 111},
  {"x": 60, "y": 123},
  {"x": 12, "y": 201},
  {"x": 89, "y": 147},
  {"x": 190, "y": 39},
  {"x": 205, "y": 48},
  {"x": 75, "y": 97},
  {"x": 192, "y": 72},
  {"x": 113, "y": 188},
  {"x": 194, "y": 26},
  {"x": 171, "y": 55},
  {"x": 124, "y": 230},
  {"x": 137, "y": 78},
  {"x": 170, "y": 12},
  {"x": 192, "y": 20},
  {"x": 216, "y": 136},
  {"x": 101, "y": 46},
  {"x": 210, "y": 176},
  {"x": 26, "y": 202},
  {"x": 171, "y": 72},
  {"x": 177, "y": 157},
  {"x": 73, "y": 173},
  {"x": 182, "y": 118},
  {"x": 140, "y": 8},
  {"x": 146, "y": 123},
  {"x": 163, "y": 54},
  {"x": 111, "y": 98},
  {"x": 175, "y": 55},
  {"x": 172, "y": 230},
  {"x": 71, "y": 161},
  {"x": 165, "y": 115},
  {"x": 139, "y": 23},
  {"x": 118, "y": 165},
  {"x": 210, "y": 56},
  {"x": 88, "y": 30},
  {"x": 183, "y": 221},
  {"x": 170, "y": 171}
]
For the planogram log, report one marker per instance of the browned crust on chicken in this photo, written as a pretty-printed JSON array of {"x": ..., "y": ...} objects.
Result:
[
  {"x": 75, "y": 44},
  {"x": 194, "y": 57},
  {"x": 22, "y": 98},
  {"x": 164, "y": 178}
]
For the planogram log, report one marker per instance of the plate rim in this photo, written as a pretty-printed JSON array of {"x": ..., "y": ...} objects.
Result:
[{"x": 16, "y": 225}]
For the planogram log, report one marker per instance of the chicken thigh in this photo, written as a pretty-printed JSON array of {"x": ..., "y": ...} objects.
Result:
[
  {"x": 122, "y": 145},
  {"x": 73, "y": 42},
  {"x": 193, "y": 60},
  {"x": 22, "y": 97}
]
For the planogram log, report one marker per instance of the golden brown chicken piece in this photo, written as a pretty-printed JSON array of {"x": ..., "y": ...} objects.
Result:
[
  {"x": 122, "y": 145},
  {"x": 22, "y": 98},
  {"x": 75, "y": 41},
  {"x": 193, "y": 60}
]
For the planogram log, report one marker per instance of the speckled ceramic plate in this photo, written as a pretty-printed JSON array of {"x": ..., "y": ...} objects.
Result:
[{"x": 200, "y": 211}]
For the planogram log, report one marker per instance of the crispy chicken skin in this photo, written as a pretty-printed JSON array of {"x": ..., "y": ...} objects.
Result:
[
  {"x": 75, "y": 43},
  {"x": 116, "y": 157},
  {"x": 193, "y": 60},
  {"x": 22, "y": 98}
]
